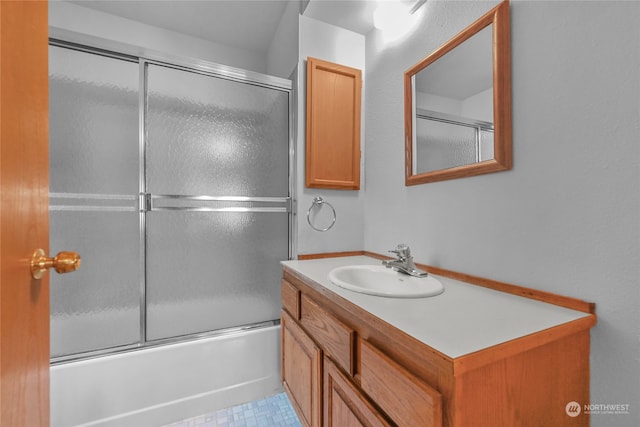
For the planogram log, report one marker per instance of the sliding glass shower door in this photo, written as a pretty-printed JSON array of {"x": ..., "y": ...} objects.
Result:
[
  {"x": 94, "y": 156},
  {"x": 218, "y": 180},
  {"x": 173, "y": 183}
]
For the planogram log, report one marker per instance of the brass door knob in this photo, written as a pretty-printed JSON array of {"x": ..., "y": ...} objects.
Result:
[{"x": 64, "y": 262}]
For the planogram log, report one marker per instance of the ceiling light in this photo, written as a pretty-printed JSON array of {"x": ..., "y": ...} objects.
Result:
[
  {"x": 395, "y": 18},
  {"x": 389, "y": 14}
]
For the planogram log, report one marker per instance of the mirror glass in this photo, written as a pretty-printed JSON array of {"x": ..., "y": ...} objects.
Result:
[{"x": 457, "y": 105}]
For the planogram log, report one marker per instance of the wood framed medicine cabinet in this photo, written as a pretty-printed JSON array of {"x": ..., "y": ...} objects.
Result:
[
  {"x": 453, "y": 128},
  {"x": 333, "y": 125}
]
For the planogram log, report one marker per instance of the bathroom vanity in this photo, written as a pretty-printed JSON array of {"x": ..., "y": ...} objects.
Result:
[{"x": 471, "y": 356}]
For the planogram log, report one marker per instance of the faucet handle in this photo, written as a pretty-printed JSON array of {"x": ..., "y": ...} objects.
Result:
[{"x": 402, "y": 250}]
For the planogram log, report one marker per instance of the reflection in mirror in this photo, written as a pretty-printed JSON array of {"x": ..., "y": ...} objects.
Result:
[
  {"x": 457, "y": 105},
  {"x": 454, "y": 107}
]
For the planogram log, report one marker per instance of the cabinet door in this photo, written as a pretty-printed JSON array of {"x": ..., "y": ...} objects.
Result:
[
  {"x": 333, "y": 125},
  {"x": 301, "y": 372},
  {"x": 344, "y": 405}
]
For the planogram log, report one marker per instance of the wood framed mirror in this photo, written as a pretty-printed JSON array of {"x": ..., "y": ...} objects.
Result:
[{"x": 457, "y": 107}]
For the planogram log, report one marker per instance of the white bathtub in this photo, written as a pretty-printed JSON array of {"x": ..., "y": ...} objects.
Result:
[{"x": 165, "y": 384}]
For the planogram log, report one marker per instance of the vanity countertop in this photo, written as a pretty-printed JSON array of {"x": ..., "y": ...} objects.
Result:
[{"x": 463, "y": 319}]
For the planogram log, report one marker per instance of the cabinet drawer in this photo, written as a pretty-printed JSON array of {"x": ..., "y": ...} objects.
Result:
[
  {"x": 290, "y": 299},
  {"x": 404, "y": 398},
  {"x": 344, "y": 404},
  {"x": 336, "y": 339}
]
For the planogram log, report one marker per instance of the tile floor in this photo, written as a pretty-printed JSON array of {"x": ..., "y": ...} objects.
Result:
[{"x": 273, "y": 411}]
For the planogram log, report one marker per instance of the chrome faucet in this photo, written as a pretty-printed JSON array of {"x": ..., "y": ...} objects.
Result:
[{"x": 404, "y": 262}]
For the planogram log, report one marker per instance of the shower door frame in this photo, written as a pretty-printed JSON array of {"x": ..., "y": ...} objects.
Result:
[{"x": 144, "y": 57}]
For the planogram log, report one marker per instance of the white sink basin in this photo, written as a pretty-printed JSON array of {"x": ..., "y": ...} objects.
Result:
[{"x": 385, "y": 282}]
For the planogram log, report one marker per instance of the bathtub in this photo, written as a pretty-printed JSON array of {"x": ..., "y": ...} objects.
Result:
[{"x": 169, "y": 383}]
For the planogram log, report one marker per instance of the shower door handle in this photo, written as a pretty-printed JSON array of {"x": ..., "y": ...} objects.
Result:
[{"x": 64, "y": 262}]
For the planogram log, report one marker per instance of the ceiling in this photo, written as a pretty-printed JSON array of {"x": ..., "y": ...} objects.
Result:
[
  {"x": 354, "y": 15},
  {"x": 244, "y": 24}
]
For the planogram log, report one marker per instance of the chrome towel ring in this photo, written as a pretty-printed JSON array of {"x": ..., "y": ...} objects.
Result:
[{"x": 317, "y": 201}]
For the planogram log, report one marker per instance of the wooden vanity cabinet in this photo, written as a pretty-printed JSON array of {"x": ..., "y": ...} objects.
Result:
[
  {"x": 343, "y": 366},
  {"x": 319, "y": 374}
]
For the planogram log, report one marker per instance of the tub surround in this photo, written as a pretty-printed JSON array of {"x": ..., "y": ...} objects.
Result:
[{"x": 472, "y": 354}]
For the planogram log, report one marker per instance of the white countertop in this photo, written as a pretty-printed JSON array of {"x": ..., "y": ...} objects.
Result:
[{"x": 463, "y": 319}]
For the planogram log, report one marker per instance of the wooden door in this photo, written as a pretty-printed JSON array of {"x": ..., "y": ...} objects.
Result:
[{"x": 24, "y": 223}]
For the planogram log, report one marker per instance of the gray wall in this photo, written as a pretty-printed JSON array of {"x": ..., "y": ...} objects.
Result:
[{"x": 566, "y": 219}]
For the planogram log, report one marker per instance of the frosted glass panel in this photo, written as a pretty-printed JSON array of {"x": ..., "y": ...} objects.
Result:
[
  {"x": 97, "y": 306},
  {"x": 214, "y": 264},
  {"x": 442, "y": 145},
  {"x": 93, "y": 119},
  {"x": 486, "y": 145},
  {"x": 94, "y": 174},
  {"x": 213, "y": 270},
  {"x": 211, "y": 136}
]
